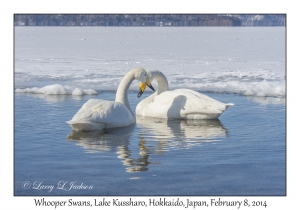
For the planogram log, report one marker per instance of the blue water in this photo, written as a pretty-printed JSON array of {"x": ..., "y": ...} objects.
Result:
[{"x": 242, "y": 153}]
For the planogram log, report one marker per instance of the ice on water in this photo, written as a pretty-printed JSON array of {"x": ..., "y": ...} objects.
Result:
[
  {"x": 57, "y": 89},
  {"x": 72, "y": 60}
]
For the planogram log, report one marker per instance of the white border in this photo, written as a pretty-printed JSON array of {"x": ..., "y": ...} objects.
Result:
[{"x": 8, "y": 201}]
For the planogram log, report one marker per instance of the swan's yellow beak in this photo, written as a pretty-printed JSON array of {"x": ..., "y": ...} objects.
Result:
[{"x": 143, "y": 87}]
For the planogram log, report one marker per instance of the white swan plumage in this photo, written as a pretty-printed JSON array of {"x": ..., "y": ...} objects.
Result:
[
  {"x": 177, "y": 104},
  {"x": 98, "y": 114}
]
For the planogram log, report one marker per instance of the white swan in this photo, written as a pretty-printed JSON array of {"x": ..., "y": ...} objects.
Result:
[
  {"x": 98, "y": 114},
  {"x": 177, "y": 104}
]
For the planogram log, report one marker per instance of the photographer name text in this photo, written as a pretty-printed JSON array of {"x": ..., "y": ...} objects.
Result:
[{"x": 61, "y": 185}]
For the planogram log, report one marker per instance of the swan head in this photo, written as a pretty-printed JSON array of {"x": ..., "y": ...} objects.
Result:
[
  {"x": 143, "y": 87},
  {"x": 151, "y": 75},
  {"x": 141, "y": 75}
]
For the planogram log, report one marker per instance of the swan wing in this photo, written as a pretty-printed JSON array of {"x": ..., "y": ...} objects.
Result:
[
  {"x": 85, "y": 126},
  {"x": 99, "y": 114},
  {"x": 183, "y": 104},
  {"x": 200, "y": 106},
  {"x": 208, "y": 99}
]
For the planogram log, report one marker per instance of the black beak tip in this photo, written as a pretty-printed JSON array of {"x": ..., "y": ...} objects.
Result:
[
  {"x": 152, "y": 88},
  {"x": 140, "y": 94}
]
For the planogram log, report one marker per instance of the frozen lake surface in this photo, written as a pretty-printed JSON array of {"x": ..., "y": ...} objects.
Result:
[
  {"x": 247, "y": 61},
  {"x": 57, "y": 69}
]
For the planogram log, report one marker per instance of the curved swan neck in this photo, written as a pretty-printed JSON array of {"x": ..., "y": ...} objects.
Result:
[
  {"x": 122, "y": 91},
  {"x": 161, "y": 81}
]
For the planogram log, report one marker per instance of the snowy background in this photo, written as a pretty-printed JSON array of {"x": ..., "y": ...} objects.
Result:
[{"x": 84, "y": 60}]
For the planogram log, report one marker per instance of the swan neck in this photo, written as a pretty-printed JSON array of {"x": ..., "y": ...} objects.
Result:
[
  {"x": 122, "y": 91},
  {"x": 161, "y": 81}
]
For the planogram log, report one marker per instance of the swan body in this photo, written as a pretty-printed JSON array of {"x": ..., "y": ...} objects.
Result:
[
  {"x": 179, "y": 103},
  {"x": 98, "y": 114}
]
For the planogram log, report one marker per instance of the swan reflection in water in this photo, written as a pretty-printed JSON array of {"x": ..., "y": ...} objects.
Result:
[
  {"x": 180, "y": 134},
  {"x": 115, "y": 140},
  {"x": 156, "y": 137},
  {"x": 172, "y": 128}
]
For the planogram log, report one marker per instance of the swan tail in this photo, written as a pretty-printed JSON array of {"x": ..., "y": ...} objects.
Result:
[
  {"x": 86, "y": 126},
  {"x": 228, "y": 105}
]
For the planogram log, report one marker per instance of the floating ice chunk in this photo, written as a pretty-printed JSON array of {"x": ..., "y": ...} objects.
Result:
[
  {"x": 262, "y": 94},
  {"x": 57, "y": 90},
  {"x": 77, "y": 92},
  {"x": 249, "y": 92},
  {"x": 89, "y": 92}
]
